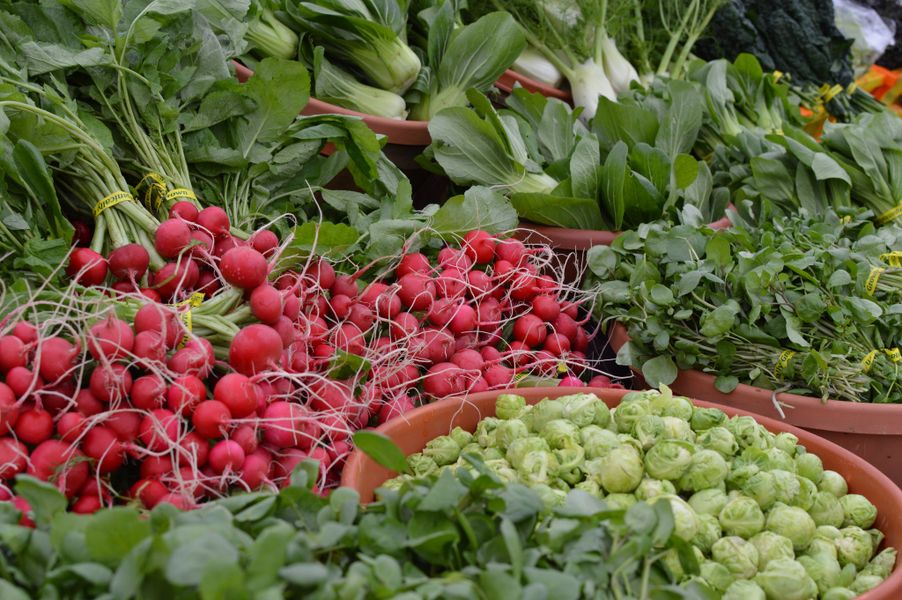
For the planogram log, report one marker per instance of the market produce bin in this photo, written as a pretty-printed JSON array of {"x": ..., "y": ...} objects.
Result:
[{"x": 510, "y": 78}]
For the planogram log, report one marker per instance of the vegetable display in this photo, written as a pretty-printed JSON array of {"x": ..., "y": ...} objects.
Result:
[{"x": 754, "y": 514}]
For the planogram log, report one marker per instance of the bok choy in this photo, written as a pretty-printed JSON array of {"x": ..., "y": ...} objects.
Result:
[{"x": 336, "y": 86}]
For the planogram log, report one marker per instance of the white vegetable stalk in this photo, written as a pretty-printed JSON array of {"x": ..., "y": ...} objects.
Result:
[
  {"x": 588, "y": 81},
  {"x": 534, "y": 65},
  {"x": 534, "y": 183},
  {"x": 619, "y": 70},
  {"x": 392, "y": 66}
]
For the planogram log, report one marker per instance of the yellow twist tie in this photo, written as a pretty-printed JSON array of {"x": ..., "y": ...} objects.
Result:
[
  {"x": 562, "y": 367},
  {"x": 832, "y": 92},
  {"x": 852, "y": 87},
  {"x": 783, "y": 362},
  {"x": 893, "y": 259},
  {"x": 777, "y": 76},
  {"x": 111, "y": 201},
  {"x": 181, "y": 193},
  {"x": 868, "y": 361},
  {"x": 890, "y": 215},
  {"x": 894, "y": 354},
  {"x": 154, "y": 190},
  {"x": 195, "y": 300},
  {"x": 873, "y": 279}
]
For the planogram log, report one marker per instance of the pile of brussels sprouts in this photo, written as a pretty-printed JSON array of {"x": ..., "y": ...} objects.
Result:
[{"x": 763, "y": 516}]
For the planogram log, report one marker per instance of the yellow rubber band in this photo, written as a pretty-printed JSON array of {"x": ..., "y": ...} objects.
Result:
[
  {"x": 868, "y": 361},
  {"x": 832, "y": 92},
  {"x": 181, "y": 193},
  {"x": 193, "y": 301},
  {"x": 852, "y": 87},
  {"x": 777, "y": 76},
  {"x": 870, "y": 285},
  {"x": 890, "y": 215},
  {"x": 894, "y": 354},
  {"x": 893, "y": 259},
  {"x": 782, "y": 362},
  {"x": 152, "y": 190},
  {"x": 562, "y": 368},
  {"x": 111, "y": 201}
]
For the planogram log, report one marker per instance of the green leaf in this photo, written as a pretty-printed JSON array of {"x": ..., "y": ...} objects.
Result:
[
  {"x": 559, "y": 211},
  {"x": 658, "y": 370},
  {"x": 345, "y": 365},
  {"x": 615, "y": 122},
  {"x": 720, "y": 320},
  {"x": 445, "y": 493},
  {"x": 36, "y": 176},
  {"x": 279, "y": 89},
  {"x": 45, "y": 57},
  {"x": 682, "y": 121},
  {"x": 381, "y": 449},
  {"x": 9, "y": 591},
  {"x": 477, "y": 208},
  {"x": 480, "y": 52},
  {"x": 45, "y": 500},
  {"x": 332, "y": 240},
  {"x": 718, "y": 250},
  {"x": 113, "y": 532},
  {"x": 584, "y": 168},
  {"x": 305, "y": 574},
  {"x": 100, "y": 12},
  {"x": 726, "y": 383},
  {"x": 561, "y": 586},
  {"x": 188, "y": 561}
]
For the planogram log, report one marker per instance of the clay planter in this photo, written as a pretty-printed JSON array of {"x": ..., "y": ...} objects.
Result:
[
  {"x": 506, "y": 83},
  {"x": 872, "y": 431},
  {"x": 412, "y": 430}
]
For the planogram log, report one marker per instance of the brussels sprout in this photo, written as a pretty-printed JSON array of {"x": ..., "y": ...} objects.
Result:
[
  {"x": 621, "y": 470},
  {"x": 648, "y": 430},
  {"x": 590, "y": 486},
  {"x": 666, "y": 405},
  {"x": 421, "y": 465},
  {"x": 625, "y": 439},
  {"x": 707, "y": 469},
  {"x": 461, "y": 436},
  {"x": 821, "y": 546},
  {"x": 863, "y": 583},
  {"x": 443, "y": 450},
  {"x": 685, "y": 521},
  {"x": 492, "y": 453},
  {"x": 570, "y": 460},
  {"x": 537, "y": 467},
  {"x": 737, "y": 555},
  {"x": 882, "y": 564},
  {"x": 485, "y": 431},
  {"x": 823, "y": 569},
  {"x": 473, "y": 448},
  {"x": 597, "y": 441},
  {"x": 839, "y": 593},
  {"x": 847, "y": 575},
  {"x": 708, "y": 502},
  {"x": 668, "y": 459},
  {"x": 833, "y": 482},
  {"x": 651, "y": 488},
  {"x": 720, "y": 440},
  {"x": 740, "y": 474},
  {"x": 519, "y": 448},
  {"x": 858, "y": 511},
  {"x": 771, "y": 546},
  {"x": 876, "y": 537},
  {"x": 809, "y": 466},
  {"x": 620, "y": 501},
  {"x": 786, "y": 579},
  {"x": 677, "y": 429},
  {"x": 855, "y": 546},
  {"x": 561, "y": 433},
  {"x": 761, "y": 488},
  {"x": 786, "y": 486},
  {"x": 510, "y": 430},
  {"x": 748, "y": 433},
  {"x": 786, "y": 442},
  {"x": 627, "y": 413},
  {"x": 826, "y": 510},
  {"x": 828, "y": 532},
  {"x": 508, "y": 406},
  {"x": 807, "y": 493},
  {"x": 704, "y": 419},
  {"x": 774, "y": 459},
  {"x": 585, "y": 409},
  {"x": 503, "y": 470},
  {"x": 545, "y": 412},
  {"x": 793, "y": 522},
  {"x": 743, "y": 589},
  {"x": 708, "y": 532},
  {"x": 671, "y": 562},
  {"x": 394, "y": 483},
  {"x": 716, "y": 575},
  {"x": 741, "y": 517}
]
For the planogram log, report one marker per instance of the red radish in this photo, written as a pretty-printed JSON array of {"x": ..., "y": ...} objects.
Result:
[
  {"x": 403, "y": 325},
  {"x": 362, "y": 316},
  {"x": 87, "y": 267},
  {"x": 546, "y": 307},
  {"x": 101, "y": 444},
  {"x": 86, "y": 505},
  {"x": 546, "y": 284},
  {"x": 503, "y": 272},
  {"x": 388, "y": 304},
  {"x": 511, "y": 250},
  {"x": 123, "y": 287},
  {"x": 150, "y": 294},
  {"x": 264, "y": 241},
  {"x": 195, "y": 449},
  {"x": 179, "y": 501},
  {"x": 600, "y": 381},
  {"x": 395, "y": 408},
  {"x": 481, "y": 284},
  {"x": 340, "y": 451},
  {"x": 129, "y": 262},
  {"x": 284, "y": 425},
  {"x": 452, "y": 257},
  {"x": 285, "y": 465},
  {"x": 238, "y": 393},
  {"x": 125, "y": 424},
  {"x": 110, "y": 384},
  {"x": 323, "y": 351},
  {"x": 345, "y": 284},
  {"x": 163, "y": 320},
  {"x": 254, "y": 349},
  {"x": 26, "y": 332},
  {"x": 571, "y": 310},
  {"x": 469, "y": 360},
  {"x": 13, "y": 457},
  {"x": 208, "y": 283},
  {"x": 171, "y": 237},
  {"x": 185, "y": 393},
  {"x": 202, "y": 244},
  {"x": 442, "y": 311},
  {"x": 341, "y": 306},
  {"x": 34, "y": 426},
  {"x": 498, "y": 376},
  {"x": 463, "y": 320},
  {"x": 444, "y": 379},
  {"x": 155, "y": 466},
  {"x": 23, "y": 507},
  {"x": 87, "y": 404},
  {"x": 211, "y": 418},
  {"x": 148, "y": 491},
  {"x": 479, "y": 246},
  {"x": 581, "y": 340},
  {"x": 523, "y": 287},
  {"x": 332, "y": 396},
  {"x": 266, "y": 303},
  {"x": 450, "y": 283},
  {"x": 544, "y": 363},
  {"x": 530, "y": 330},
  {"x": 244, "y": 267},
  {"x": 226, "y": 455},
  {"x": 395, "y": 377},
  {"x": 215, "y": 220},
  {"x": 349, "y": 338},
  {"x": 69, "y": 426},
  {"x": 159, "y": 430},
  {"x": 489, "y": 314},
  {"x": 416, "y": 291},
  {"x": 224, "y": 244},
  {"x": 571, "y": 381},
  {"x": 183, "y": 209},
  {"x": 111, "y": 338},
  {"x": 149, "y": 349},
  {"x": 316, "y": 305},
  {"x": 432, "y": 345},
  {"x": 556, "y": 344},
  {"x": 176, "y": 276},
  {"x": 254, "y": 470},
  {"x": 565, "y": 325},
  {"x": 371, "y": 294},
  {"x": 196, "y": 358},
  {"x": 9, "y": 412},
  {"x": 324, "y": 275},
  {"x": 519, "y": 354},
  {"x": 321, "y": 455},
  {"x": 490, "y": 354},
  {"x": 57, "y": 398},
  {"x": 288, "y": 333},
  {"x": 479, "y": 385},
  {"x": 413, "y": 263},
  {"x": 60, "y": 463},
  {"x": 246, "y": 436},
  {"x": 56, "y": 357},
  {"x": 13, "y": 353},
  {"x": 291, "y": 306},
  {"x": 148, "y": 392}
]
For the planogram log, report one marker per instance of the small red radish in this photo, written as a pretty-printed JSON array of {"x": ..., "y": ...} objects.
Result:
[
  {"x": 226, "y": 455},
  {"x": 372, "y": 293},
  {"x": 479, "y": 246},
  {"x": 581, "y": 340},
  {"x": 530, "y": 330},
  {"x": 331, "y": 396},
  {"x": 288, "y": 333},
  {"x": 61, "y": 464},
  {"x": 571, "y": 309},
  {"x": 244, "y": 267},
  {"x": 129, "y": 262},
  {"x": 403, "y": 325},
  {"x": 201, "y": 244},
  {"x": 432, "y": 345},
  {"x": 159, "y": 430},
  {"x": 395, "y": 408},
  {"x": 86, "y": 505},
  {"x": 452, "y": 257},
  {"x": 255, "y": 470},
  {"x": 256, "y": 348},
  {"x": 155, "y": 466},
  {"x": 478, "y": 385},
  {"x": 70, "y": 426},
  {"x": 464, "y": 320},
  {"x": 208, "y": 283},
  {"x": 565, "y": 325},
  {"x": 388, "y": 304},
  {"x": 479, "y": 284},
  {"x": 195, "y": 449},
  {"x": 26, "y": 332},
  {"x": 9, "y": 412},
  {"x": 286, "y": 463},
  {"x": 546, "y": 307},
  {"x": 345, "y": 284},
  {"x": 571, "y": 381},
  {"x": 171, "y": 237},
  {"x": 101, "y": 444},
  {"x": 238, "y": 393},
  {"x": 413, "y": 263},
  {"x": 111, "y": 338},
  {"x": 469, "y": 360},
  {"x": 83, "y": 233},
  {"x": 518, "y": 354},
  {"x": 546, "y": 284},
  {"x": 442, "y": 311},
  {"x": 124, "y": 287},
  {"x": 264, "y": 241},
  {"x": 196, "y": 358},
  {"x": 148, "y": 392},
  {"x": 180, "y": 501},
  {"x": 498, "y": 376},
  {"x": 149, "y": 349},
  {"x": 416, "y": 291},
  {"x": 266, "y": 303},
  {"x": 148, "y": 492},
  {"x": 556, "y": 344},
  {"x": 246, "y": 436},
  {"x": 110, "y": 384},
  {"x": 490, "y": 354},
  {"x": 222, "y": 245},
  {"x": 87, "y": 404},
  {"x": 185, "y": 393},
  {"x": 600, "y": 381},
  {"x": 34, "y": 425},
  {"x": 450, "y": 283},
  {"x": 503, "y": 272},
  {"x": 362, "y": 316},
  {"x": 523, "y": 287},
  {"x": 175, "y": 277},
  {"x": 489, "y": 314},
  {"x": 324, "y": 275},
  {"x": 126, "y": 424},
  {"x": 511, "y": 250},
  {"x": 444, "y": 379},
  {"x": 215, "y": 220},
  {"x": 291, "y": 306},
  {"x": 56, "y": 357},
  {"x": 341, "y": 306},
  {"x": 349, "y": 338},
  {"x": 159, "y": 318},
  {"x": 286, "y": 425},
  {"x": 183, "y": 209},
  {"x": 87, "y": 267},
  {"x": 150, "y": 294},
  {"x": 544, "y": 363},
  {"x": 211, "y": 418},
  {"x": 13, "y": 353},
  {"x": 13, "y": 457}
]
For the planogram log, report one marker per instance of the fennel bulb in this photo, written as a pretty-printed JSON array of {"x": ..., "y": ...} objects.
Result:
[
  {"x": 588, "y": 81},
  {"x": 272, "y": 37},
  {"x": 534, "y": 65},
  {"x": 619, "y": 70}
]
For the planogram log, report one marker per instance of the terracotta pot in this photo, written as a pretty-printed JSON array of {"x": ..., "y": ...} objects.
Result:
[
  {"x": 872, "y": 431},
  {"x": 506, "y": 83},
  {"x": 414, "y": 429},
  {"x": 400, "y": 132}
]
